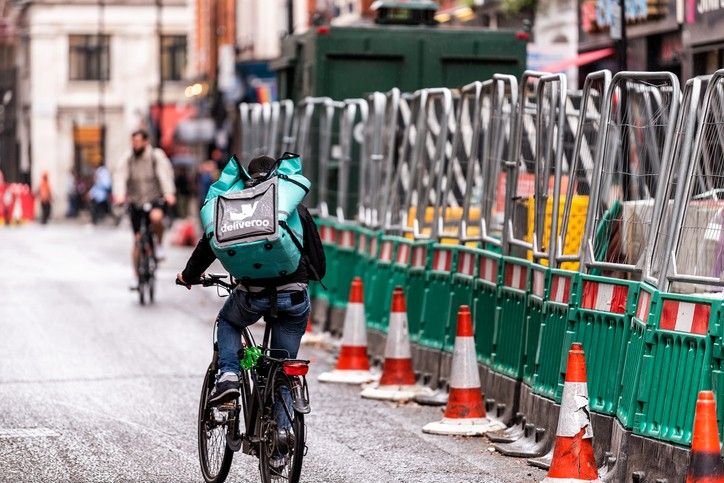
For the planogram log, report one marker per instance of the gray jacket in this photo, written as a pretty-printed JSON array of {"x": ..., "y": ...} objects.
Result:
[{"x": 144, "y": 178}]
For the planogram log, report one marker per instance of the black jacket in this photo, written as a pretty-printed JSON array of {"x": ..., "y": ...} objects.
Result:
[{"x": 202, "y": 257}]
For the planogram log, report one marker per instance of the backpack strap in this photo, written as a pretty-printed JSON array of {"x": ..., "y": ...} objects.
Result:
[
  {"x": 294, "y": 181},
  {"x": 300, "y": 247}
]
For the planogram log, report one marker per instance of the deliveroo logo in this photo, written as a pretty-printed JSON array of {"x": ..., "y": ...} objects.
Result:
[
  {"x": 239, "y": 220},
  {"x": 247, "y": 210}
]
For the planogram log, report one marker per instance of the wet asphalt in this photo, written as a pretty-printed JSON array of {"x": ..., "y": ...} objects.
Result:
[{"x": 96, "y": 388}]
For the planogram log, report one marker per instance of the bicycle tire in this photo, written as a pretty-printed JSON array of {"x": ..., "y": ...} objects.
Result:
[
  {"x": 142, "y": 270},
  {"x": 294, "y": 468},
  {"x": 142, "y": 292},
  {"x": 208, "y": 473},
  {"x": 152, "y": 289}
]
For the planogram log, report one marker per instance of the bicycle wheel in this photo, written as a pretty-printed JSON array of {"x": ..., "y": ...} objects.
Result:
[
  {"x": 142, "y": 292},
  {"x": 151, "y": 288},
  {"x": 214, "y": 454},
  {"x": 277, "y": 463},
  {"x": 142, "y": 271}
]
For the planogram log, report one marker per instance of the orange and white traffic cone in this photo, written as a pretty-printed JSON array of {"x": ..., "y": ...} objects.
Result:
[
  {"x": 705, "y": 465},
  {"x": 309, "y": 337},
  {"x": 353, "y": 367},
  {"x": 398, "y": 379},
  {"x": 465, "y": 411},
  {"x": 573, "y": 458},
  {"x": 17, "y": 213}
]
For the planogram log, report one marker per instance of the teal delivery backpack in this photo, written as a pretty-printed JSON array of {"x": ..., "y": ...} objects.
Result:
[{"x": 255, "y": 231}]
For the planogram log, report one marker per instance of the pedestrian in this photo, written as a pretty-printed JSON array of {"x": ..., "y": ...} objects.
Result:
[
  {"x": 183, "y": 190},
  {"x": 100, "y": 194},
  {"x": 45, "y": 195},
  {"x": 208, "y": 173},
  {"x": 73, "y": 195},
  {"x": 4, "y": 211}
]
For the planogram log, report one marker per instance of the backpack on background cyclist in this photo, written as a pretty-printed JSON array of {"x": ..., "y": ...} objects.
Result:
[
  {"x": 144, "y": 176},
  {"x": 257, "y": 228}
]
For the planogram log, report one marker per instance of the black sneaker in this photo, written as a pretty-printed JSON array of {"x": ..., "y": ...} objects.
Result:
[
  {"x": 225, "y": 390},
  {"x": 285, "y": 441}
]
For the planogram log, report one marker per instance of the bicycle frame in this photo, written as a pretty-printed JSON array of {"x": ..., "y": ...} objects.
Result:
[{"x": 255, "y": 390}]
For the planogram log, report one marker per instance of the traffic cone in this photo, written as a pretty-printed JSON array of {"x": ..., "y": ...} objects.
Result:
[
  {"x": 573, "y": 458},
  {"x": 465, "y": 411},
  {"x": 17, "y": 213},
  {"x": 185, "y": 234},
  {"x": 705, "y": 464},
  {"x": 353, "y": 367},
  {"x": 398, "y": 379},
  {"x": 310, "y": 338}
]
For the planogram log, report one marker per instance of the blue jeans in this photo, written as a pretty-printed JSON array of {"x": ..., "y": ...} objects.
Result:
[{"x": 287, "y": 331}]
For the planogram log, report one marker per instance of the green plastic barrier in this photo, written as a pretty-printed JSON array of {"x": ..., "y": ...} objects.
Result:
[
  {"x": 397, "y": 277},
  {"x": 327, "y": 234},
  {"x": 507, "y": 357},
  {"x": 549, "y": 360},
  {"x": 375, "y": 308},
  {"x": 367, "y": 243},
  {"x": 461, "y": 289},
  {"x": 485, "y": 308},
  {"x": 346, "y": 261},
  {"x": 627, "y": 401},
  {"x": 538, "y": 282},
  {"x": 681, "y": 356},
  {"x": 601, "y": 320},
  {"x": 436, "y": 301},
  {"x": 417, "y": 275}
]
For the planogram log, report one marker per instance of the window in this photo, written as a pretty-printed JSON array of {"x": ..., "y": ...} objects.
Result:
[
  {"x": 89, "y": 57},
  {"x": 173, "y": 57}
]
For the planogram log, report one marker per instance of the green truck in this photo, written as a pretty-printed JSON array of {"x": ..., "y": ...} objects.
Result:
[{"x": 350, "y": 62}]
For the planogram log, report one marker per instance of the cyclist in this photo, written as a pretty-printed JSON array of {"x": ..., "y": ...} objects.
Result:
[
  {"x": 283, "y": 301},
  {"x": 145, "y": 176}
]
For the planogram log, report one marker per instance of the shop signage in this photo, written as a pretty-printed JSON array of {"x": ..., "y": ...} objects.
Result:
[{"x": 598, "y": 15}]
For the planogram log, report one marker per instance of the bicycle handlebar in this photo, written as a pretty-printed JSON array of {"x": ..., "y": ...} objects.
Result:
[{"x": 209, "y": 281}]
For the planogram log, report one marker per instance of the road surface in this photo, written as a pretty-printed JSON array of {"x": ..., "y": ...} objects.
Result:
[{"x": 94, "y": 387}]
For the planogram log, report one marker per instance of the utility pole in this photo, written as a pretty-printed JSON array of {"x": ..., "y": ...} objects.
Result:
[
  {"x": 290, "y": 17},
  {"x": 100, "y": 45},
  {"x": 159, "y": 95},
  {"x": 618, "y": 34}
]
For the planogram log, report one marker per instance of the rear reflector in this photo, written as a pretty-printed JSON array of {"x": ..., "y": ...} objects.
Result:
[{"x": 295, "y": 368}]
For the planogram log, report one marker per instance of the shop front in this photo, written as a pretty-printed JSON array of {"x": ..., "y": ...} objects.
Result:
[
  {"x": 654, "y": 40},
  {"x": 704, "y": 36}
]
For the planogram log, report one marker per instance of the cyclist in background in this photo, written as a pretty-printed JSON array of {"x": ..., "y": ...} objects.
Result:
[{"x": 145, "y": 175}]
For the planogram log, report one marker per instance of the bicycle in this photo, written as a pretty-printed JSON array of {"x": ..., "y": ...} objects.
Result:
[
  {"x": 147, "y": 261},
  {"x": 248, "y": 423}
]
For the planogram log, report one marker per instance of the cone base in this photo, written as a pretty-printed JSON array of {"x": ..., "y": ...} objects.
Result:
[
  {"x": 393, "y": 393},
  {"x": 548, "y": 479},
  {"x": 462, "y": 427},
  {"x": 543, "y": 462},
  {"x": 313, "y": 339},
  {"x": 436, "y": 398},
  {"x": 347, "y": 377}
]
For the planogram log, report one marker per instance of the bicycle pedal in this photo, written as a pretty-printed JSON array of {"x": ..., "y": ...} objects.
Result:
[{"x": 227, "y": 406}]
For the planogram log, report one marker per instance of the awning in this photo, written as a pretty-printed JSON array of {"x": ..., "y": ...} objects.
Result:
[{"x": 579, "y": 60}]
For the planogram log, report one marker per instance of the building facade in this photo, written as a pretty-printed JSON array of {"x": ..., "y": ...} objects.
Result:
[
  {"x": 89, "y": 74},
  {"x": 555, "y": 37},
  {"x": 653, "y": 28}
]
